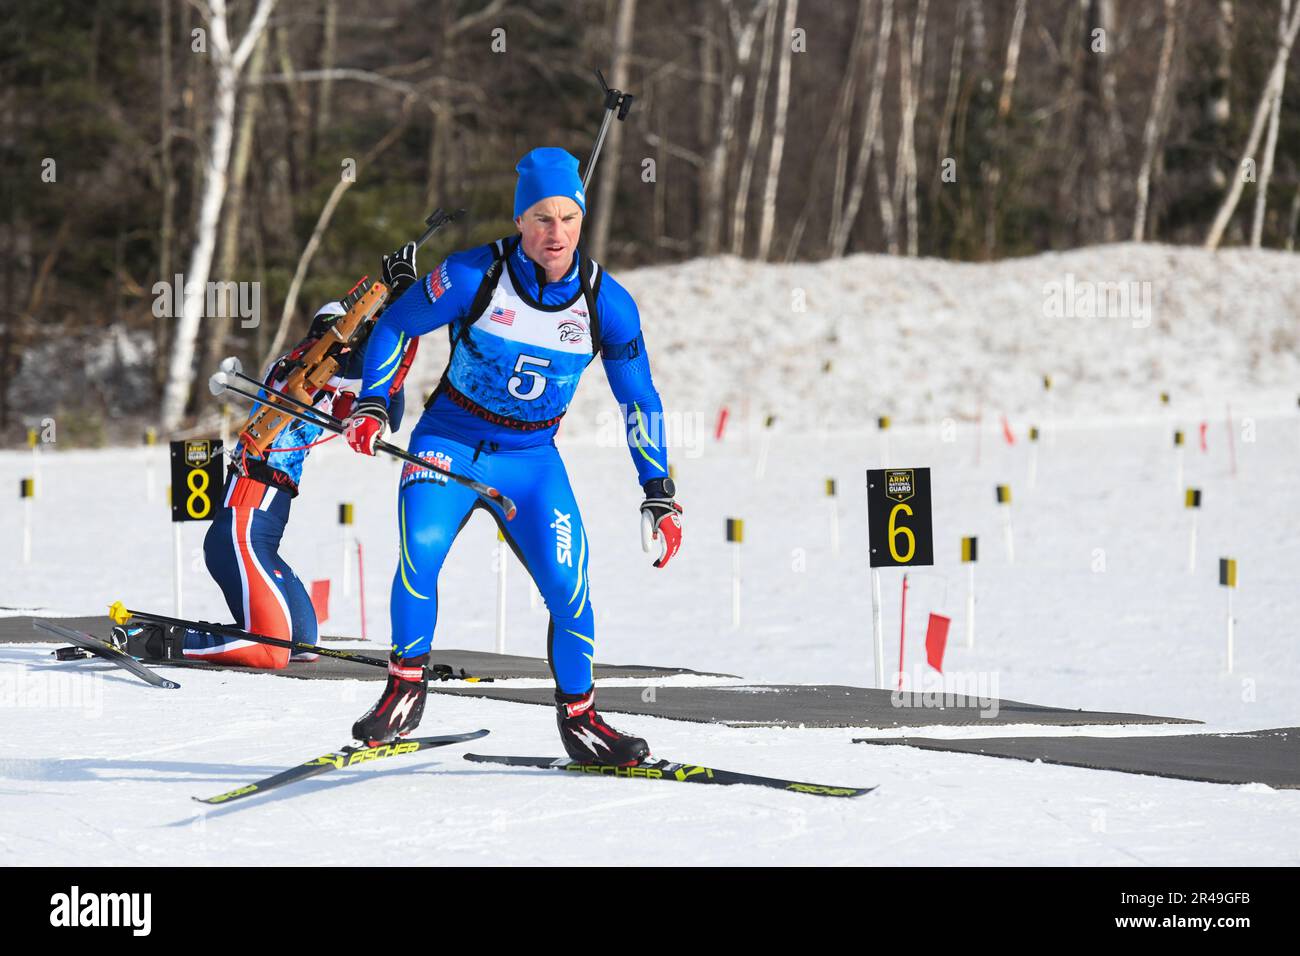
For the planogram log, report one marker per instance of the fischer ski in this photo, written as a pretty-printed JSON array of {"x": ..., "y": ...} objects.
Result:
[
  {"x": 667, "y": 770},
  {"x": 349, "y": 756},
  {"x": 107, "y": 652}
]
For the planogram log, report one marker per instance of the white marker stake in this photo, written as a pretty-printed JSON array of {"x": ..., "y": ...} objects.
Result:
[
  {"x": 149, "y": 480},
  {"x": 27, "y": 530},
  {"x": 1178, "y": 474},
  {"x": 877, "y": 628},
  {"x": 501, "y": 594},
  {"x": 225, "y": 425},
  {"x": 1191, "y": 544},
  {"x": 1033, "y": 465},
  {"x": 177, "y": 568},
  {"x": 1230, "y": 630},
  {"x": 347, "y": 564},
  {"x": 735, "y": 586},
  {"x": 835, "y": 527},
  {"x": 1009, "y": 534},
  {"x": 764, "y": 445},
  {"x": 970, "y": 606}
]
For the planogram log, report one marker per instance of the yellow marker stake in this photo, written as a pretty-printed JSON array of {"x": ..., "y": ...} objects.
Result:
[
  {"x": 1004, "y": 499},
  {"x": 345, "y": 525},
  {"x": 835, "y": 517},
  {"x": 1192, "y": 501},
  {"x": 501, "y": 592},
  {"x": 1228, "y": 579},
  {"x": 736, "y": 535},
  {"x": 969, "y": 555}
]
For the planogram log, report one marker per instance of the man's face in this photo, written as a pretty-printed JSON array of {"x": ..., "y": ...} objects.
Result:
[{"x": 550, "y": 229}]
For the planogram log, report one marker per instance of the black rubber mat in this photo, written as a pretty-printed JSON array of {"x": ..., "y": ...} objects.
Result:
[
  {"x": 19, "y": 630},
  {"x": 1270, "y": 757},
  {"x": 804, "y": 705}
]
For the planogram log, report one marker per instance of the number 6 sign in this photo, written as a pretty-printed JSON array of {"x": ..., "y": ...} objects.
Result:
[{"x": 900, "y": 528}]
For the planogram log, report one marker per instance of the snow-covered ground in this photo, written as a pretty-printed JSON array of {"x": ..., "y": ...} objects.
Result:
[{"x": 1099, "y": 609}]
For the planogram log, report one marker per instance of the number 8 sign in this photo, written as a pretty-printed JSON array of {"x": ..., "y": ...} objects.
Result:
[
  {"x": 196, "y": 479},
  {"x": 900, "y": 526}
]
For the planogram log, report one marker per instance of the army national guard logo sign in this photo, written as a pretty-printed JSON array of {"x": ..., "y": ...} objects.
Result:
[
  {"x": 196, "y": 478},
  {"x": 901, "y": 532}
]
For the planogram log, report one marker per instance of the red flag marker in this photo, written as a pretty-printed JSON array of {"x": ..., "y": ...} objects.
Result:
[
  {"x": 722, "y": 423},
  {"x": 320, "y": 600},
  {"x": 1204, "y": 427},
  {"x": 936, "y": 639},
  {"x": 1007, "y": 433}
]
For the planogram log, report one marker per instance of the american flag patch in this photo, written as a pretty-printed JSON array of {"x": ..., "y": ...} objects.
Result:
[{"x": 504, "y": 316}]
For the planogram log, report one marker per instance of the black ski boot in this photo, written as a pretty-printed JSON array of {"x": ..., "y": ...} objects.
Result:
[
  {"x": 400, "y": 706},
  {"x": 588, "y": 739},
  {"x": 147, "y": 641}
]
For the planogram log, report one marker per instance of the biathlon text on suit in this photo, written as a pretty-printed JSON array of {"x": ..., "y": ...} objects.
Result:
[
  {"x": 242, "y": 546},
  {"x": 526, "y": 316}
]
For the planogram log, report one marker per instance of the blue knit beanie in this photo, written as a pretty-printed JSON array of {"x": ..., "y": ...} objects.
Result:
[{"x": 544, "y": 172}]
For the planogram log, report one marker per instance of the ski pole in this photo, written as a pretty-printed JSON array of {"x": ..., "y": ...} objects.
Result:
[
  {"x": 220, "y": 383},
  {"x": 120, "y": 614},
  {"x": 614, "y": 100}
]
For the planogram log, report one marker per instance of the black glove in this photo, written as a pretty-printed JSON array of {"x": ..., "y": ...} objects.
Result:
[
  {"x": 399, "y": 269},
  {"x": 661, "y": 519}
]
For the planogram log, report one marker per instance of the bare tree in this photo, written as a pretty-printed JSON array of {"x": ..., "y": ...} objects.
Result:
[
  {"x": 767, "y": 222},
  {"x": 739, "y": 208},
  {"x": 909, "y": 73},
  {"x": 1150, "y": 134},
  {"x": 228, "y": 63},
  {"x": 1272, "y": 89},
  {"x": 871, "y": 134},
  {"x": 613, "y": 149},
  {"x": 1270, "y": 147},
  {"x": 742, "y": 30}
]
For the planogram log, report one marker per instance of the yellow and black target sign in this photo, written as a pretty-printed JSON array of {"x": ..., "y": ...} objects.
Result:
[
  {"x": 899, "y": 523},
  {"x": 197, "y": 467}
]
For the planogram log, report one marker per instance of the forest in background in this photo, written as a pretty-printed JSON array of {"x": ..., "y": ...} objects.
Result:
[{"x": 775, "y": 130}]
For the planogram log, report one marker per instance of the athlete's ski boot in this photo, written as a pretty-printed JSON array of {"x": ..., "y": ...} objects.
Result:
[
  {"x": 588, "y": 739},
  {"x": 400, "y": 706},
  {"x": 147, "y": 641}
]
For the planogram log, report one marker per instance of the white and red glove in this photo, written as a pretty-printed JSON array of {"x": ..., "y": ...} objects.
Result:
[
  {"x": 661, "y": 520},
  {"x": 366, "y": 425}
]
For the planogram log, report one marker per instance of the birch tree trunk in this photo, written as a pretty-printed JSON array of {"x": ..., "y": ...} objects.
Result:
[
  {"x": 228, "y": 254},
  {"x": 1150, "y": 134},
  {"x": 1270, "y": 146},
  {"x": 767, "y": 224},
  {"x": 227, "y": 63},
  {"x": 909, "y": 73},
  {"x": 613, "y": 149},
  {"x": 842, "y": 125},
  {"x": 740, "y": 208},
  {"x": 167, "y": 229},
  {"x": 716, "y": 175},
  {"x": 1273, "y": 88},
  {"x": 870, "y": 132}
]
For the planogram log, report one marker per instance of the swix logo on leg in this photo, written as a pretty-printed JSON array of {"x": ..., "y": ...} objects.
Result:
[{"x": 563, "y": 538}]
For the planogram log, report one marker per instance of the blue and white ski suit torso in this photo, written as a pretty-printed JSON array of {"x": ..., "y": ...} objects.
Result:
[{"x": 519, "y": 346}]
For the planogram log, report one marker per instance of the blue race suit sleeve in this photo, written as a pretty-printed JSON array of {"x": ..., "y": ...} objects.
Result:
[
  {"x": 627, "y": 367},
  {"x": 442, "y": 296}
]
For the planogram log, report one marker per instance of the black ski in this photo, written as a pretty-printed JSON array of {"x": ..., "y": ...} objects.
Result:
[
  {"x": 667, "y": 770},
  {"x": 343, "y": 757},
  {"x": 108, "y": 652}
]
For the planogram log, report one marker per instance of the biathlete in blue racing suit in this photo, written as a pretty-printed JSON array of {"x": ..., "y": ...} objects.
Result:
[{"x": 526, "y": 316}]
